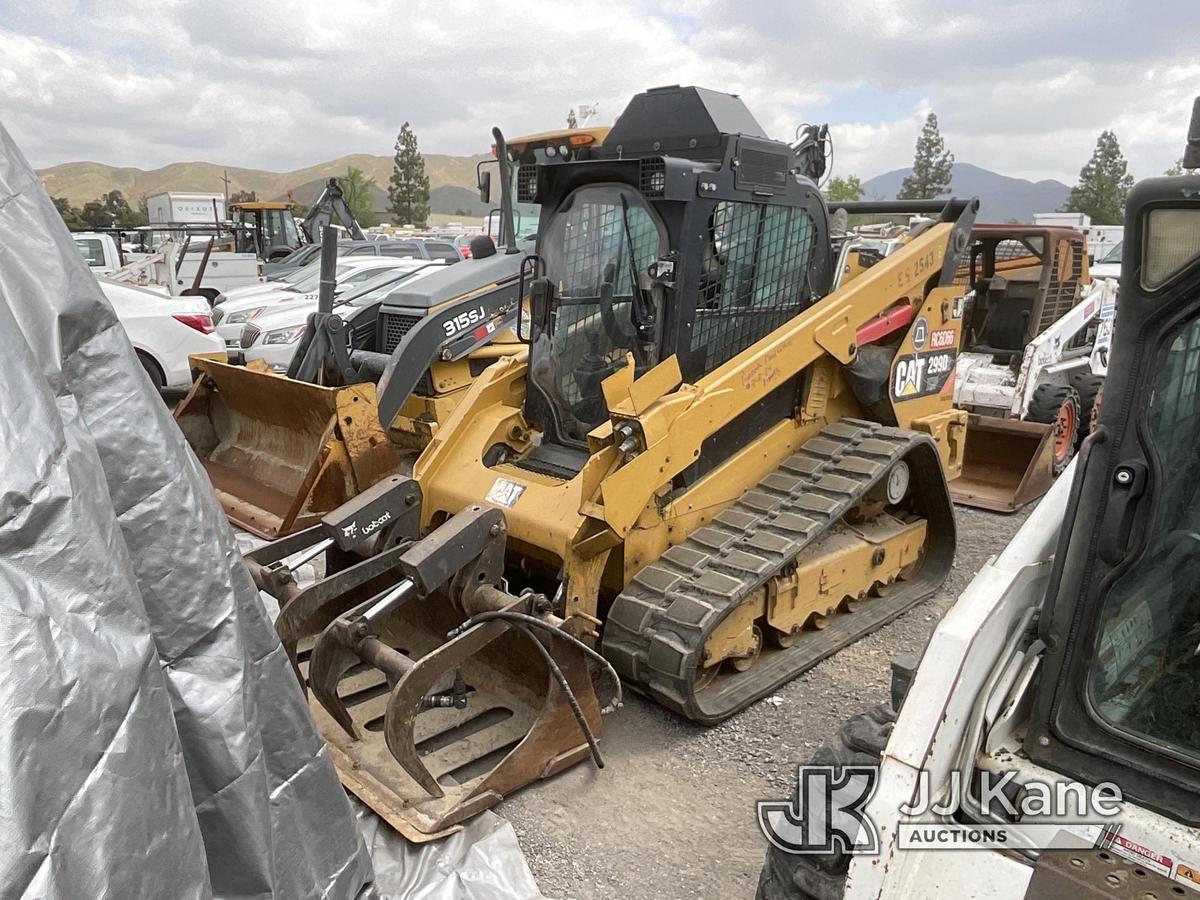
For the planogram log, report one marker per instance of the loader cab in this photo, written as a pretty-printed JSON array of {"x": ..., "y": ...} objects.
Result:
[
  {"x": 525, "y": 153},
  {"x": 1120, "y": 686},
  {"x": 267, "y": 228},
  {"x": 687, "y": 233},
  {"x": 1025, "y": 279}
]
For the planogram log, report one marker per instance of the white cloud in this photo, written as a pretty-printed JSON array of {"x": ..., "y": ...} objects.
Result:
[{"x": 1022, "y": 87}]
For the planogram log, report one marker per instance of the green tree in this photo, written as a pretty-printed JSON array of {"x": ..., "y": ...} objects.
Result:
[
  {"x": 1178, "y": 169},
  {"x": 357, "y": 187},
  {"x": 844, "y": 189},
  {"x": 932, "y": 165},
  {"x": 95, "y": 215},
  {"x": 1103, "y": 184},
  {"x": 70, "y": 215},
  {"x": 121, "y": 213},
  {"x": 408, "y": 188}
]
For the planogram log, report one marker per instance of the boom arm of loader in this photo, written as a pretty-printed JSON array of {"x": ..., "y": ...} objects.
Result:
[
  {"x": 448, "y": 333},
  {"x": 656, "y": 431},
  {"x": 331, "y": 203}
]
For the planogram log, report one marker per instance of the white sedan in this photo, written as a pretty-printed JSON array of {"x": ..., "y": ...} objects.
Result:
[
  {"x": 273, "y": 336},
  {"x": 164, "y": 330},
  {"x": 233, "y": 315}
]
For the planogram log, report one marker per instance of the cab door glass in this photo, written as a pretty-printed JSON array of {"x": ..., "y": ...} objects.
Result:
[{"x": 1144, "y": 675}]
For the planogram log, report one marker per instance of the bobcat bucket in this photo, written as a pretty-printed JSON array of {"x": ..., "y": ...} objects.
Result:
[
  {"x": 437, "y": 691},
  {"x": 281, "y": 453},
  {"x": 1007, "y": 464}
]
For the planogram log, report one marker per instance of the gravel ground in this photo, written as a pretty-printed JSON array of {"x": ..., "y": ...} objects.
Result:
[{"x": 673, "y": 813}]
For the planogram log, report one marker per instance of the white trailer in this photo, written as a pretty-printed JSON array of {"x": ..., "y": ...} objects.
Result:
[
  {"x": 193, "y": 207},
  {"x": 1100, "y": 238}
]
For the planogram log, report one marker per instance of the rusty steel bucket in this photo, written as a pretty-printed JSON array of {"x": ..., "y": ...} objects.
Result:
[
  {"x": 281, "y": 453},
  {"x": 1006, "y": 464}
]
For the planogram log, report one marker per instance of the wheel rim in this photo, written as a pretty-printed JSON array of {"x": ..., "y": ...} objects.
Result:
[{"x": 1064, "y": 430}]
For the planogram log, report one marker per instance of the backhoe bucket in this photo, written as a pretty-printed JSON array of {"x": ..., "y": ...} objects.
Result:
[
  {"x": 281, "y": 453},
  {"x": 430, "y": 718},
  {"x": 1007, "y": 464}
]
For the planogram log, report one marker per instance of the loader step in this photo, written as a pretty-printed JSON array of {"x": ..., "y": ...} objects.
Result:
[{"x": 657, "y": 628}]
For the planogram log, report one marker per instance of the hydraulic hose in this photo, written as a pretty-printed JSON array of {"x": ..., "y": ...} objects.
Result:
[
  {"x": 522, "y": 619},
  {"x": 570, "y": 695}
]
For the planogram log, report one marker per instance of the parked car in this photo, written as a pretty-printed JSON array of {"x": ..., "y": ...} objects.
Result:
[
  {"x": 297, "y": 259},
  {"x": 231, "y": 316},
  {"x": 273, "y": 336},
  {"x": 164, "y": 330},
  {"x": 463, "y": 243},
  {"x": 379, "y": 245}
]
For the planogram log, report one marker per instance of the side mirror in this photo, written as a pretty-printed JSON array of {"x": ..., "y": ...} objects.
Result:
[{"x": 485, "y": 187}]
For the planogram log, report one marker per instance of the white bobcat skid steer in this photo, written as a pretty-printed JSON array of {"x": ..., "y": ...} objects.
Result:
[{"x": 1030, "y": 409}]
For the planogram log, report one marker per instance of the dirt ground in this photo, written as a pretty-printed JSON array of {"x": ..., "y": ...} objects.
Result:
[{"x": 672, "y": 815}]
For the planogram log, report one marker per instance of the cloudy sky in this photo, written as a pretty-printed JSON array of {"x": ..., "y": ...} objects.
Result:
[{"x": 1020, "y": 87}]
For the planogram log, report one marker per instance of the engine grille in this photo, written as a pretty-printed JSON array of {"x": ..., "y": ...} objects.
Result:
[
  {"x": 249, "y": 335},
  {"x": 217, "y": 315},
  {"x": 395, "y": 327}
]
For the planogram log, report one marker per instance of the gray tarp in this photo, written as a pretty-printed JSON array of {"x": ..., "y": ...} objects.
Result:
[{"x": 153, "y": 742}]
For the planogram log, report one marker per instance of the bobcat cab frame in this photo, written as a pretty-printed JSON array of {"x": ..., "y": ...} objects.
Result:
[
  {"x": 704, "y": 465},
  {"x": 1070, "y": 661}
]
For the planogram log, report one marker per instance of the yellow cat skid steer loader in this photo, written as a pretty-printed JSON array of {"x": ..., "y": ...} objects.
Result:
[
  {"x": 705, "y": 474},
  {"x": 283, "y": 451}
]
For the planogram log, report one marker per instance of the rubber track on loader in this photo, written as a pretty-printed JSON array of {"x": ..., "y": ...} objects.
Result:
[{"x": 656, "y": 629}]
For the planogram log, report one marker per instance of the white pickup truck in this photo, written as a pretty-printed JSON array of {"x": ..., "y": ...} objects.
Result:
[{"x": 157, "y": 270}]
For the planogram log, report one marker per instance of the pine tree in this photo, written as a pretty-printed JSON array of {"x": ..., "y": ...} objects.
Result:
[
  {"x": 408, "y": 188},
  {"x": 932, "y": 166},
  {"x": 1103, "y": 184}
]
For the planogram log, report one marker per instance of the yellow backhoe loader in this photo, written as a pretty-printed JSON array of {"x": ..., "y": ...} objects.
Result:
[
  {"x": 706, "y": 472},
  {"x": 283, "y": 451}
]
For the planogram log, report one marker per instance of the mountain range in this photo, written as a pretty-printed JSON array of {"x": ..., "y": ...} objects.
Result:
[
  {"x": 1001, "y": 198},
  {"x": 451, "y": 181},
  {"x": 452, "y": 184}
]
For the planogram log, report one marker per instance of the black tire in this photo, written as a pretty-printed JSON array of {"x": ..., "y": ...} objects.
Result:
[
  {"x": 1057, "y": 405},
  {"x": 1088, "y": 386},
  {"x": 788, "y": 876},
  {"x": 153, "y": 371}
]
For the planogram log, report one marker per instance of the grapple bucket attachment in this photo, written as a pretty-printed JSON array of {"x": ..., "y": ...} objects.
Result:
[
  {"x": 1007, "y": 464},
  {"x": 427, "y": 768},
  {"x": 430, "y": 719},
  {"x": 281, "y": 453}
]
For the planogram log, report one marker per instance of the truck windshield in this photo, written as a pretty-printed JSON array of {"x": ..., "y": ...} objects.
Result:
[
  {"x": 596, "y": 247},
  {"x": 1144, "y": 677},
  {"x": 1113, "y": 255}
]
